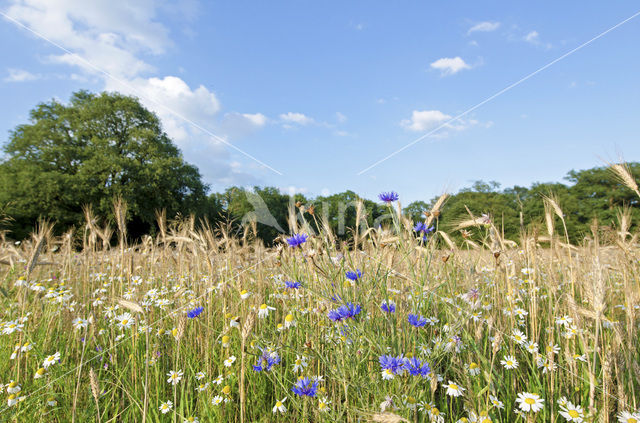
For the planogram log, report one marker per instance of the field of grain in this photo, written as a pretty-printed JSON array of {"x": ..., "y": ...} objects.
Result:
[{"x": 195, "y": 324}]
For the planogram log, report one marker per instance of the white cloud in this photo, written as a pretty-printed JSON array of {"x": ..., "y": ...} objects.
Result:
[
  {"x": 450, "y": 65},
  {"x": 116, "y": 37},
  {"x": 237, "y": 125},
  {"x": 198, "y": 105},
  {"x": 341, "y": 118},
  {"x": 484, "y": 27},
  {"x": 20, "y": 75},
  {"x": 297, "y": 118},
  {"x": 532, "y": 37},
  {"x": 426, "y": 120}
]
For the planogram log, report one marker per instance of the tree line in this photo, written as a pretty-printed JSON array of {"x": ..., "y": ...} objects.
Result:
[{"x": 98, "y": 146}]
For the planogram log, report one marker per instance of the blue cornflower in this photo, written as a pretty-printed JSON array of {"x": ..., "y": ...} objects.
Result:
[
  {"x": 346, "y": 311},
  {"x": 395, "y": 365},
  {"x": 388, "y": 306},
  {"x": 192, "y": 314},
  {"x": 305, "y": 387},
  {"x": 267, "y": 360},
  {"x": 417, "y": 321},
  {"x": 297, "y": 240},
  {"x": 422, "y": 227},
  {"x": 354, "y": 276},
  {"x": 388, "y": 197},
  {"x": 417, "y": 368},
  {"x": 292, "y": 285}
]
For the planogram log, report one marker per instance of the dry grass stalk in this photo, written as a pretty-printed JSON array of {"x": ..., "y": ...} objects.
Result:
[
  {"x": 387, "y": 418},
  {"x": 131, "y": 306},
  {"x": 622, "y": 172}
]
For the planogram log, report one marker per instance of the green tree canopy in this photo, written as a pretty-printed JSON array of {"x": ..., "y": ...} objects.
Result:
[{"x": 88, "y": 151}]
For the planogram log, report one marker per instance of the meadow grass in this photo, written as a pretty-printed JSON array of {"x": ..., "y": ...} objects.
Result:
[{"x": 494, "y": 320}]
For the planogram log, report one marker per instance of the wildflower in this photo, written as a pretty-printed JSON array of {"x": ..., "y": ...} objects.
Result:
[
  {"x": 300, "y": 363},
  {"x": 305, "y": 387},
  {"x": 572, "y": 413},
  {"x": 417, "y": 368},
  {"x": 297, "y": 240},
  {"x": 80, "y": 323},
  {"x": 217, "y": 400},
  {"x": 391, "y": 366},
  {"x": 124, "y": 321},
  {"x": 174, "y": 377},
  {"x": 509, "y": 362},
  {"x": 13, "y": 387},
  {"x": 200, "y": 375},
  {"x": 191, "y": 420},
  {"x": 496, "y": 402},
  {"x": 40, "y": 373},
  {"x": 226, "y": 390},
  {"x": 388, "y": 306},
  {"x": 626, "y": 417},
  {"x": 346, "y": 311},
  {"x": 279, "y": 407},
  {"x": 229, "y": 361},
  {"x": 453, "y": 389},
  {"x": 289, "y": 321},
  {"x": 165, "y": 407},
  {"x": 218, "y": 380},
  {"x": 244, "y": 294},
  {"x": 225, "y": 341},
  {"x": 530, "y": 402},
  {"x": 354, "y": 276},
  {"x": 474, "y": 369},
  {"x": 13, "y": 400},
  {"x": 292, "y": 285},
  {"x": 531, "y": 347},
  {"x": 267, "y": 360},
  {"x": 323, "y": 404},
  {"x": 519, "y": 337},
  {"x": 52, "y": 359},
  {"x": 263, "y": 311},
  {"x": 416, "y": 320},
  {"x": 11, "y": 327},
  {"x": 192, "y": 314},
  {"x": 388, "y": 197},
  {"x": 51, "y": 402},
  {"x": 202, "y": 387}
]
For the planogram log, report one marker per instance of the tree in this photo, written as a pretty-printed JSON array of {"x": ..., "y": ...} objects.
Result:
[{"x": 88, "y": 151}]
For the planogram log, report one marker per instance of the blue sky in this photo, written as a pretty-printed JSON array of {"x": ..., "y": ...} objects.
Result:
[{"x": 319, "y": 91}]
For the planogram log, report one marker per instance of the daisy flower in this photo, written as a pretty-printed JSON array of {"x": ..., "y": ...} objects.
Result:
[
  {"x": 496, "y": 402},
  {"x": 13, "y": 387},
  {"x": 530, "y": 402},
  {"x": 572, "y": 413},
  {"x": 165, "y": 407},
  {"x": 279, "y": 407},
  {"x": 50, "y": 360},
  {"x": 473, "y": 369},
  {"x": 453, "y": 389},
  {"x": 229, "y": 361},
  {"x": 519, "y": 337},
  {"x": 509, "y": 362},
  {"x": 124, "y": 321},
  {"x": 174, "y": 377},
  {"x": 191, "y": 420},
  {"x": 263, "y": 311},
  {"x": 323, "y": 404},
  {"x": 289, "y": 321},
  {"x": 626, "y": 417},
  {"x": 217, "y": 400}
]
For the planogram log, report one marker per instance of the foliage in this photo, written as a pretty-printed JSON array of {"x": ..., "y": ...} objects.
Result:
[{"x": 88, "y": 151}]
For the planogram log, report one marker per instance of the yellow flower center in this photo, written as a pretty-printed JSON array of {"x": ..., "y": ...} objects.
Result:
[
  {"x": 473, "y": 366},
  {"x": 226, "y": 390},
  {"x": 435, "y": 411},
  {"x": 574, "y": 413},
  {"x": 124, "y": 322},
  {"x": 453, "y": 386},
  {"x": 40, "y": 371},
  {"x": 13, "y": 384},
  {"x": 278, "y": 404},
  {"x": 632, "y": 420},
  {"x": 263, "y": 307},
  {"x": 530, "y": 401},
  {"x": 288, "y": 318},
  {"x": 225, "y": 339}
]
